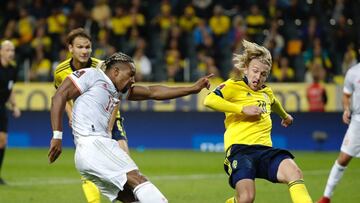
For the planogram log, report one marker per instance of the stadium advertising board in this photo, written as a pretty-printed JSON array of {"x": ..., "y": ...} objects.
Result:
[{"x": 37, "y": 97}]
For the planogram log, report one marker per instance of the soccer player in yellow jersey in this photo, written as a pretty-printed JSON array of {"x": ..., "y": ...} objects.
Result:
[
  {"x": 79, "y": 45},
  {"x": 247, "y": 103}
]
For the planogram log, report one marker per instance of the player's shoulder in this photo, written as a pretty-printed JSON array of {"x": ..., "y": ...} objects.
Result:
[
  {"x": 94, "y": 62},
  {"x": 63, "y": 66},
  {"x": 354, "y": 69}
]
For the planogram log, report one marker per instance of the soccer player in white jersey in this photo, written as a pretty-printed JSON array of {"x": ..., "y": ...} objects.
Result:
[
  {"x": 351, "y": 143},
  {"x": 96, "y": 93}
]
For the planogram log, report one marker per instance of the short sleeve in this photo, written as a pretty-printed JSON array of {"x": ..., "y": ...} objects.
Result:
[{"x": 83, "y": 79}]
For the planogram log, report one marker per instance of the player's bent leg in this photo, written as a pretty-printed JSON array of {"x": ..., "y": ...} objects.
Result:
[
  {"x": 290, "y": 173},
  {"x": 91, "y": 192},
  {"x": 245, "y": 191},
  {"x": 336, "y": 173},
  {"x": 148, "y": 193},
  {"x": 143, "y": 189},
  {"x": 126, "y": 195}
]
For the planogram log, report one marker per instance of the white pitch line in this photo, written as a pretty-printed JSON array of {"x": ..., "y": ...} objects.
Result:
[{"x": 69, "y": 181}]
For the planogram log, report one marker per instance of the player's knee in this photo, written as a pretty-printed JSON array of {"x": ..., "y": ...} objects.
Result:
[
  {"x": 245, "y": 197},
  {"x": 134, "y": 178},
  {"x": 295, "y": 174}
]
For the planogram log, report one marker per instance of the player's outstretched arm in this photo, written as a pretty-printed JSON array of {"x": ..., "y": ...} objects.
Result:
[
  {"x": 161, "y": 92},
  {"x": 287, "y": 119},
  {"x": 65, "y": 92}
]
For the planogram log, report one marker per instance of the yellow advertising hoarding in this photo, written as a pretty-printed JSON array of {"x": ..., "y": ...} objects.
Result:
[{"x": 37, "y": 97}]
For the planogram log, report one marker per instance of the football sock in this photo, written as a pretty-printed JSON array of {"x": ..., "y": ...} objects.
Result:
[
  {"x": 336, "y": 173},
  {"x": 2, "y": 153},
  {"x": 298, "y": 192},
  {"x": 148, "y": 193},
  {"x": 91, "y": 192},
  {"x": 231, "y": 200}
]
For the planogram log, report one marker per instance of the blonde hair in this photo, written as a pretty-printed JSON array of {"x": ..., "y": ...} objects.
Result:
[{"x": 251, "y": 51}]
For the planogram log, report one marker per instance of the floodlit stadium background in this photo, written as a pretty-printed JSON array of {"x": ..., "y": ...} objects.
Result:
[{"x": 175, "y": 42}]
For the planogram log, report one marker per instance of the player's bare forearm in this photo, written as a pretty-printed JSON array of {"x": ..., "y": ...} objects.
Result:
[
  {"x": 161, "y": 92},
  {"x": 346, "y": 105},
  {"x": 65, "y": 92}
]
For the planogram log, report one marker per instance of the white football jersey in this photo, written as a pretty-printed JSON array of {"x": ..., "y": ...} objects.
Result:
[
  {"x": 93, "y": 108},
  {"x": 352, "y": 86}
]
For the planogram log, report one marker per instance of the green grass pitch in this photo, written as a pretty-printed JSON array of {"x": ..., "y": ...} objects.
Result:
[{"x": 183, "y": 176}]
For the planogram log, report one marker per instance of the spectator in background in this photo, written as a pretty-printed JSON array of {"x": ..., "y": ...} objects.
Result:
[
  {"x": 79, "y": 15},
  {"x": 281, "y": 70},
  {"x": 219, "y": 24},
  {"x": 8, "y": 74},
  {"x": 351, "y": 142},
  {"x": 164, "y": 21},
  {"x": 40, "y": 70},
  {"x": 142, "y": 62},
  {"x": 201, "y": 30},
  {"x": 174, "y": 62},
  {"x": 349, "y": 59},
  {"x": 102, "y": 48},
  {"x": 316, "y": 93},
  {"x": 211, "y": 68},
  {"x": 41, "y": 39},
  {"x": 238, "y": 32},
  {"x": 56, "y": 24},
  {"x": 119, "y": 27},
  {"x": 318, "y": 55},
  {"x": 101, "y": 13},
  {"x": 255, "y": 23},
  {"x": 188, "y": 21}
]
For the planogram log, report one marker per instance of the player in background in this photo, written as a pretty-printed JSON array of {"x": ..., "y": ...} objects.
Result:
[
  {"x": 8, "y": 74},
  {"x": 97, "y": 156},
  {"x": 247, "y": 103},
  {"x": 351, "y": 143},
  {"x": 80, "y": 47}
]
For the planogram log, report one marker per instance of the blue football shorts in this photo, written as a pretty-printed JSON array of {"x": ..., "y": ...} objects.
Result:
[{"x": 253, "y": 161}]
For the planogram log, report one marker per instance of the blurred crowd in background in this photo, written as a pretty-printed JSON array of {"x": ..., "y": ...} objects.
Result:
[{"x": 181, "y": 40}]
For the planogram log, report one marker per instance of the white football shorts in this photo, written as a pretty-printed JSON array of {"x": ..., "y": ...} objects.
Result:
[
  {"x": 102, "y": 161},
  {"x": 351, "y": 141}
]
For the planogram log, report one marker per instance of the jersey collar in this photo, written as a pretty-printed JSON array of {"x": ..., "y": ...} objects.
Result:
[{"x": 88, "y": 65}]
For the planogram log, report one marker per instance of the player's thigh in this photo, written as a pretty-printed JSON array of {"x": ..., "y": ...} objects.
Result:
[{"x": 288, "y": 171}]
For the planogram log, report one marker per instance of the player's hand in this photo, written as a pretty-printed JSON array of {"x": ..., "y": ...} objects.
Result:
[
  {"x": 16, "y": 112},
  {"x": 203, "y": 82},
  {"x": 346, "y": 116},
  {"x": 252, "y": 110},
  {"x": 55, "y": 149},
  {"x": 288, "y": 120}
]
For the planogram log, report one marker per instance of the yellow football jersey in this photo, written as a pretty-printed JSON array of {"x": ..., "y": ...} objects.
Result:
[
  {"x": 242, "y": 129},
  {"x": 65, "y": 68}
]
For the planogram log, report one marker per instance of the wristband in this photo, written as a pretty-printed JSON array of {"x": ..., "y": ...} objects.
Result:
[{"x": 57, "y": 134}]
